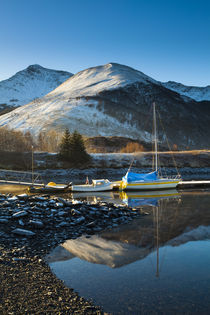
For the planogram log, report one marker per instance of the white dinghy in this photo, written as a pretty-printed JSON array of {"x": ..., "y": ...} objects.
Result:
[{"x": 97, "y": 185}]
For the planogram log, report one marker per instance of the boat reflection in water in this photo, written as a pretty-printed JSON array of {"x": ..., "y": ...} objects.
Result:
[
  {"x": 94, "y": 197},
  {"x": 147, "y": 198},
  {"x": 131, "y": 199},
  {"x": 149, "y": 265}
]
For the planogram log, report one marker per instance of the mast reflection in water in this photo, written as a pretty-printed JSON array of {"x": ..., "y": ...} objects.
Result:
[{"x": 158, "y": 263}]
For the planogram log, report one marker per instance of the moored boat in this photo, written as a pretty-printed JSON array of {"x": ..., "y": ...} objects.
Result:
[
  {"x": 50, "y": 188},
  {"x": 153, "y": 180},
  {"x": 149, "y": 181},
  {"x": 97, "y": 185}
]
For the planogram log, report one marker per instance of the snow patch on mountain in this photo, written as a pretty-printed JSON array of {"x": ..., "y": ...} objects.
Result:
[
  {"x": 72, "y": 105},
  {"x": 194, "y": 92},
  {"x": 94, "y": 80},
  {"x": 111, "y": 100},
  {"x": 29, "y": 84},
  {"x": 76, "y": 114}
]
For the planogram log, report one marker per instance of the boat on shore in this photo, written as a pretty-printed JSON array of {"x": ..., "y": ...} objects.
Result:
[
  {"x": 50, "y": 188},
  {"x": 153, "y": 180}
]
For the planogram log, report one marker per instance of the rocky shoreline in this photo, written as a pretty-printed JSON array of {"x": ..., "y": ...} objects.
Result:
[{"x": 31, "y": 226}]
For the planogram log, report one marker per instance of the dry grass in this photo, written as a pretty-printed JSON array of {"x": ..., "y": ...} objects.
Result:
[
  {"x": 189, "y": 152},
  {"x": 14, "y": 189},
  {"x": 132, "y": 147}
]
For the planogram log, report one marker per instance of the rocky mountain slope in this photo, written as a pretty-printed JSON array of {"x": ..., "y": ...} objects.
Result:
[
  {"x": 29, "y": 84},
  {"x": 194, "y": 92},
  {"x": 115, "y": 100}
]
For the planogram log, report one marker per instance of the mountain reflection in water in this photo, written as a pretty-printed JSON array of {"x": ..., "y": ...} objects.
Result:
[
  {"x": 165, "y": 242},
  {"x": 115, "y": 253}
]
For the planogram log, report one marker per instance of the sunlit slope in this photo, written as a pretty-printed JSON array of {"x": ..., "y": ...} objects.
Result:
[{"x": 115, "y": 100}]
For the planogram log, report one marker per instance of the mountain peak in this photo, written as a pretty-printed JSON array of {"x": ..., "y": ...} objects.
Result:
[
  {"x": 26, "y": 85},
  {"x": 107, "y": 100},
  {"x": 110, "y": 76},
  {"x": 34, "y": 67}
]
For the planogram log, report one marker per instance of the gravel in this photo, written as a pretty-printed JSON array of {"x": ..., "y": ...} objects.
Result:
[{"x": 30, "y": 227}]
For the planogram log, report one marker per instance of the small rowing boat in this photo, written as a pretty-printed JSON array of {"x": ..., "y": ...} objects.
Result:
[{"x": 50, "y": 188}]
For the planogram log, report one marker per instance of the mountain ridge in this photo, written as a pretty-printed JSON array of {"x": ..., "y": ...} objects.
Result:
[
  {"x": 194, "y": 92},
  {"x": 114, "y": 100},
  {"x": 26, "y": 85}
]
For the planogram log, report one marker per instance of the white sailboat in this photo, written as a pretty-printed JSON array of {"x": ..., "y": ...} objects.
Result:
[{"x": 152, "y": 180}]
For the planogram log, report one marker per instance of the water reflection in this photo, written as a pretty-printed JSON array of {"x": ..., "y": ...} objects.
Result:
[
  {"x": 118, "y": 268},
  {"x": 135, "y": 199},
  {"x": 131, "y": 199},
  {"x": 94, "y": 197},
  {"x": 101, "y": 249}
]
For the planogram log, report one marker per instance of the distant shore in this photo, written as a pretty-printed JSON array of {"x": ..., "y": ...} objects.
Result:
[{"x": 45, "y": 160}]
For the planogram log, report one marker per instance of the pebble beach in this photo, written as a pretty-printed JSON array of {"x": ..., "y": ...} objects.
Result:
[{"x": 31, "y": 226}]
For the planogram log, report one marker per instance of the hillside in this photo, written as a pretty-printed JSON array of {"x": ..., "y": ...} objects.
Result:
[
  {"x": 29, "y": 84},
  {"x": 194, "y": 92},
  {"x": 115, "y": 100}
]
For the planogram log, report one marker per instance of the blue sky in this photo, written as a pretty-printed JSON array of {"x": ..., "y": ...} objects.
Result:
[{"x": 165, "y": 39}]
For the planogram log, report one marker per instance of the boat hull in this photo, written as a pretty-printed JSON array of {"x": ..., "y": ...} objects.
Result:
[
  {"x": 154, "y": 185},
  {"x": 50, "y": 188},
  {"x": 90, "y": 188}
]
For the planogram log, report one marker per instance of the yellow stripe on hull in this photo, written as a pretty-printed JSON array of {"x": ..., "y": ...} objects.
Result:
[
  {"x": 150, "y": 186},
  {"x": 124, "y": 195}
]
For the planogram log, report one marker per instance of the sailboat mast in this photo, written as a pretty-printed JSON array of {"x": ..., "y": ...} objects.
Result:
[
  {"x": 157, "y": 222},
  {"x": 155, "y": 137},
  {"x": 32, "y": 164}
]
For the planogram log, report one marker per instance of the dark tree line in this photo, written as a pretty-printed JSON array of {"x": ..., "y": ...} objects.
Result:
[
  {"x": 70, "y": 147},
  {"x": 15, "y": 141}
]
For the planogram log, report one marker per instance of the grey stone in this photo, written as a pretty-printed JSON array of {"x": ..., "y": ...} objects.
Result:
[
  {"x": 20, "y": 214},
  {"x": 75, "y": 212},
  {"x": 61, "y": 213},
  {"x": 37, "y": 223},
  {"x": 59, "y": 204},
  {"x": 13, "y": 198},
  {"x": 23, "y": 232},
  {"x": 63, "y": 224},
  {"x": 4, "y": 221},
  {"x": 91, "y": 224},
  {"x": 79, "y": 220}
]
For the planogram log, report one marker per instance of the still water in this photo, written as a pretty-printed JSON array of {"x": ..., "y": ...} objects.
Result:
[{"x": 159, "y": 263}]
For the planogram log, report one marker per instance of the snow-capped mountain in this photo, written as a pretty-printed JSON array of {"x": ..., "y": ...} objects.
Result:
[
  {"x": 77, "y": 104},
  {"x": 115, "y": 100},
  {"x": 29, "y": 84},
  {"x": 92, "y": 81},
  {"x": 194, "y": 92}
]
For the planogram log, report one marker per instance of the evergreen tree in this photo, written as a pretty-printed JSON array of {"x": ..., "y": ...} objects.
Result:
[
  {"x": 78, "y": 151},
  {"x": 65, "y": 147},
  {"x": 72, "y": 148}
]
